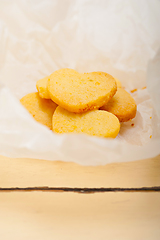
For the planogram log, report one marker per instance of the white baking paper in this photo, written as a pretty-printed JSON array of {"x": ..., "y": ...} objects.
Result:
[{"x": 121, "y": 37}]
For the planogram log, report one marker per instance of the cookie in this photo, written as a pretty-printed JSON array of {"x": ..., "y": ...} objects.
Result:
[
  {"x": 80, "y": 92},
  {"x": 41, "y": 109},
  {"x": 96, "y": 123},
  {"x": 122, "y": 105},
  {"x": 105, "y": 74},
  {"x": 119, "y": 85},
  {"x": 42, "y": 87}
]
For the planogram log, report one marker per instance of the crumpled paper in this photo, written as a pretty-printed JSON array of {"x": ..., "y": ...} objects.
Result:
[{"x": 118, "y": 37}]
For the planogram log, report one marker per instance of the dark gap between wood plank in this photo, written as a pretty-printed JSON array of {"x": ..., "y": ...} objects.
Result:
[{"x": 81, "y": 190}]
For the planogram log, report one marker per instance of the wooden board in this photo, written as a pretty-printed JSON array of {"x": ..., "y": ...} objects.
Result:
[
  {"x": 67, "y": 216},
  {"x": 38, "y": 173}
]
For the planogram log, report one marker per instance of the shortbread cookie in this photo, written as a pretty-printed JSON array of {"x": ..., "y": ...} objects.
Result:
[
  {"x": 80, "y": 92},
  {"x": 122, "y": 105},
  {"x": 119, "y": 85},
  {"x": 41, "y": 109},
  {"x": 96, "y": 123},
  {"x": 106, "y": 74},
  {"x": 42, "y": 87}
]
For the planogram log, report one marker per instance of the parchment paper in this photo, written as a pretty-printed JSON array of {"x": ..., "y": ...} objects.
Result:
[{"x": 119, "y": 37}]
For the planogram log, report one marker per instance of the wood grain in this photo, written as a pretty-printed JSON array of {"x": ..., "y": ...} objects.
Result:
[
  {"x": 41, "y": 173},
  {"x": 67, "y": 216}
]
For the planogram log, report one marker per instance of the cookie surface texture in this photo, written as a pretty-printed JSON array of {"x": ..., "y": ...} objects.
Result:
[
  {"x": 80, "y": 92},
  {"x": 42, "y": 87},
  {"x": 41, "y": 109},
  {"x": 122, "y": 105},
  {"x": 106, "y": 74},
  {"x": 96, "y": 123}
]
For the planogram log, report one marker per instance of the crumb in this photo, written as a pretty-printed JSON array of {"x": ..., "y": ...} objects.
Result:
[
  {"x": 134, "y": 90},
  {"x": 151, "y": 136},
  {"x": 144, "y": 87},
  {"x": 132, "y": 124}
]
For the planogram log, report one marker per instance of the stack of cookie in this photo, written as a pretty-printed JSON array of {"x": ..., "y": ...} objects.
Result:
[{"x": 70, "y": 102}]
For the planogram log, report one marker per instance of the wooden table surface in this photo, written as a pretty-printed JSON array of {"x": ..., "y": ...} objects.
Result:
[{"x": 55, "y": 200}]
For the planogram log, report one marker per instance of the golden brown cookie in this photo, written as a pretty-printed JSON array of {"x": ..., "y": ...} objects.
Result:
[
  {"x": 119, "y": 85},
  {"x": 122, "y": 105},
  {"x": 96, "y": 123},
  {"x": 41, "y": 109},
  {"x": 80, "y": 92},
  {"x": 42, "y": 87},
  {"x": 106, "y": 74}
]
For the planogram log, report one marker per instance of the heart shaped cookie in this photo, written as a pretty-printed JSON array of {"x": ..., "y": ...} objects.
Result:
[
  {"x": 122, "y": 105},
  {"x": 42, "y": 87},
  {"x": 80, "y": 92},
  {"x": 41, "y": 109},
  {"x": 96, "y": 123}
]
